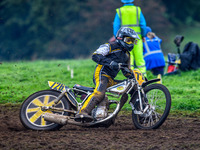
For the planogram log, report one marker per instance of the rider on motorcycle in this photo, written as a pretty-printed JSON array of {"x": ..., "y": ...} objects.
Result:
[{"x": 108, "y": 57}]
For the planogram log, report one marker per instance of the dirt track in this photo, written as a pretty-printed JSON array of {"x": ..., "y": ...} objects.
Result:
[{"x": 174, "y": 134}]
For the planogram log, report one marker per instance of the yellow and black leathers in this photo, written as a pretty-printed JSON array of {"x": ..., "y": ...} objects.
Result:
[{"x": 104, "y": 74}]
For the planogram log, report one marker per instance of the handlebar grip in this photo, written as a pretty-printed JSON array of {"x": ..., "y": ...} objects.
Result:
[{"x": 122, "y": 65}]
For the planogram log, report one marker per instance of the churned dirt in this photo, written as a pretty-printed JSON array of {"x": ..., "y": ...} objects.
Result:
[{"x": 177, "y": 133}]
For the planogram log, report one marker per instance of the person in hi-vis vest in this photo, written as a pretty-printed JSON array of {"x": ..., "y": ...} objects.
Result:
[
  {"x": 131, "y": 16},
  {"x": 153, "y": 54}
]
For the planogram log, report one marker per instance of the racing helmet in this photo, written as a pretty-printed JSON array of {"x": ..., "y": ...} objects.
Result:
[
  {"x": 127, "y": 38},
  {"x": 127, "y": 1}
]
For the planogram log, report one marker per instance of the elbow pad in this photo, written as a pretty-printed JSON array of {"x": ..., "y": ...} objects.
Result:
[{"x": 96, "y": 58}]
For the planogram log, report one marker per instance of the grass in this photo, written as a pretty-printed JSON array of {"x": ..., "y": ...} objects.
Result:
[
  {"x": 185, "y": 92},
  {"x": 20, "y": 79}
]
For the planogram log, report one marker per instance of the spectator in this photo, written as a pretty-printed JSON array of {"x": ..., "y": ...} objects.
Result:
[
  {"x": 153, "y": 55},
  {"x": 131, "y": 16}
]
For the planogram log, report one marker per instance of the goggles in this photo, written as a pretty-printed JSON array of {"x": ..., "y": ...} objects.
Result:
[{"x": 130, "y": 40}]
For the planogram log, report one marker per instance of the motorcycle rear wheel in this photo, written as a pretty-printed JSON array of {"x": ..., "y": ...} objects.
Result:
[
  {"x": 159, "y": 100},
  {"x": 31, "y": 110}
]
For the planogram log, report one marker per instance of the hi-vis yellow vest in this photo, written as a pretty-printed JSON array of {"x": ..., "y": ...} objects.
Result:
[{"x": 130, "y": 17}]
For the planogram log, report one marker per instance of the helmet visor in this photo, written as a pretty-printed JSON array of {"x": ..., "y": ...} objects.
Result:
[{"x": 130, "y": 40}]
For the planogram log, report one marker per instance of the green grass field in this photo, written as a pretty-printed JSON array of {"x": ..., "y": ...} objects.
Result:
[{"x": 20, "y": 79}]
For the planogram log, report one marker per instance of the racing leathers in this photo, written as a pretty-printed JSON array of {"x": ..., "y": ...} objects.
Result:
[{"x": 105, "y": 56}]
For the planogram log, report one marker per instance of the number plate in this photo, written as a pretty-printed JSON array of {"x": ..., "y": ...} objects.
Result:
[
  {"x": 139, "y": 77},
  {"x": 56, "y": 86}
]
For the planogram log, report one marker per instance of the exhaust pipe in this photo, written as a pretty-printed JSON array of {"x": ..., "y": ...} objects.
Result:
[{"x": 56, "y": 118}]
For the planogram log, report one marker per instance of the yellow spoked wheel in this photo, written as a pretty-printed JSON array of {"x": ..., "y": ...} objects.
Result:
[{"x": 36, "y": 105}]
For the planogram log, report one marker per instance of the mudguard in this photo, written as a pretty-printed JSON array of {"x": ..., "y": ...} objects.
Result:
[
  {"x": 61, "y": 88},
  {"x": 149, "y": 82}
]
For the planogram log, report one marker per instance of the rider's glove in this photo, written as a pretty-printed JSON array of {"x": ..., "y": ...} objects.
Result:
[
  {"x": 131, "y": 76},
  {"x": 114, "y": 65}
]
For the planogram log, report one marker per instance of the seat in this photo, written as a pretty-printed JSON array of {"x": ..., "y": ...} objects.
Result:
[{"x": 83, "y": 88}]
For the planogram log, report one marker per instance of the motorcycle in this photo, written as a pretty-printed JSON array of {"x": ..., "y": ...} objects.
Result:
[{"x": 52, "y": 109}]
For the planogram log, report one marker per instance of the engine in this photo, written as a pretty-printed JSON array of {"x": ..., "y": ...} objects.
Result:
[{"x": 101, "y": 111}]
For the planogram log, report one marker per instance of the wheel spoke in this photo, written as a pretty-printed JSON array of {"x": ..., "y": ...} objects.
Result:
[
  {"x": 36, "y": 116},
  {"x": 33, "y": 109},
  {"x": 149, "y": 122},
  {"x": 145, "y": 120},
  {"x": 43, "y": 122},
  {"x": 50, "y": 103},
  {"x": 46, "y": 99},
  {"x": 152, "y": 120},
  {"x": 156, "y": 116},
  {"x": 37, "y": 102}
]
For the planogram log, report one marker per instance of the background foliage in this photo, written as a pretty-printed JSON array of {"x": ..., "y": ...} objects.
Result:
[
  {"x": 182, "y": 11},
  {"x": 49, "y": 29}
]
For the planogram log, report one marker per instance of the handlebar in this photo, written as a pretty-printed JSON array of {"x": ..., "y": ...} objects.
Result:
[
  {"x": 122, "y": 66},
  {"x": 125, "y": 67}
]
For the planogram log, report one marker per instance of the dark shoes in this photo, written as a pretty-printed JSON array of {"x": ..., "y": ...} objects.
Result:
[{"x": 83, "y": 117}]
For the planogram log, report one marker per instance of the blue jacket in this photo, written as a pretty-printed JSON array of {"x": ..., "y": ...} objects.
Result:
[
  {"x": 117, "y": 23},
  {"x": 153, "y": 55}
]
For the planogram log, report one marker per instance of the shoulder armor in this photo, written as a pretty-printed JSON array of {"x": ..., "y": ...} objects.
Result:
[{"x": 103, "y": 49}]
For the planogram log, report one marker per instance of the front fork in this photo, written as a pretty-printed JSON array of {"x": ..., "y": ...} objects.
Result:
[
  {"x": 141, "y": 100},
  {"x": 139, "y": 96}
]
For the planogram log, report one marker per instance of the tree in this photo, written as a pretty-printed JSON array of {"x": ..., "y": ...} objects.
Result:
[{"x": 182, "y": 11}]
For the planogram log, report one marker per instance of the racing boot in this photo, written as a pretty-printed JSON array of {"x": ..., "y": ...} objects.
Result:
[
  {"x": 84, "y": 113},
  {"x": 83, "y": 117}
]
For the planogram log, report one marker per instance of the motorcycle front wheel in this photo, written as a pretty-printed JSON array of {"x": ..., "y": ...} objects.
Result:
[
  {"x": 31, "y": 111},
  {"x": 158, "y": 99}
]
